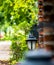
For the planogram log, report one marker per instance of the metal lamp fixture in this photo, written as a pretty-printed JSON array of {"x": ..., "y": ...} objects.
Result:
[{"x": 31, "y": 42}]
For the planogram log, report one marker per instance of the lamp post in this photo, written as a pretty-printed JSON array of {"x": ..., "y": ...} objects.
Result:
[{"x": 31, "y": 42}]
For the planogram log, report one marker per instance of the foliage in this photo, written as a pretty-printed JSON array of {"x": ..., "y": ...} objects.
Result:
[
  {"x": 17, "y": 14},
  {"x": 18, "y": 50},
  {"x": 16, "y": 19},
  {"x": 16, "y": 11}
]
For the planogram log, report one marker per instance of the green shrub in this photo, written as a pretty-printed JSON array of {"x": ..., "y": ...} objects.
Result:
[{"x": 18, "y": 50}]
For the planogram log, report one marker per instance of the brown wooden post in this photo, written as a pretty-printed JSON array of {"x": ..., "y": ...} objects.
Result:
[{"x": 46, "y": 18}]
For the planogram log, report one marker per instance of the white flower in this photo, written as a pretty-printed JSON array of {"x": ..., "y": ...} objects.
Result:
[
  {"x": 10, "y": 31},
  {"x": 11, "y": 17}
]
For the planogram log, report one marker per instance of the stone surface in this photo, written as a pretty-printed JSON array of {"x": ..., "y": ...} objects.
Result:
[{"x": 5, "y": 50}]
